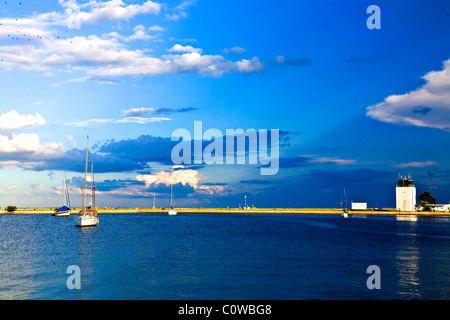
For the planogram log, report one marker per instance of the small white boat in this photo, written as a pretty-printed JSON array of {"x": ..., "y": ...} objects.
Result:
[
  {"x": 344, "y": 213},
  {"x": 87, "y": 217},
  {"x": 171, "y": 211}
]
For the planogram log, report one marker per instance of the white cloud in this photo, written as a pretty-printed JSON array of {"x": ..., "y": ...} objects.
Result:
[
  {"x": 180, "y": 48},
  {"x": 137, "y": 112},
  {"x": 12, "y": 120},
  {"x": 139, "y": 34},
  {"x": 99, "y": 80},
  {"x": 156, "y": 28},
  {"x": 89, "y": 122},
  {"x": 428, "y": 106},
  {"x": 27, "y": 142},
  {"x": 141, "y": 120},
  {"x": 337, "y": 161},
  {"x": 234, "y": 50},
  {"x": 74, "y": 144},
  {"x": 185, "y": 177},
  {"x": 213, "y": 190},
  {"x": 105, "y": 56},
  {"x": 416, "y": 164},
  {"x": 246, "y": 66},
  {"x": 15, "y": 146},
  {"x": 93, "y": 122},
  {"x": 114, "y": 10},
  {"x": 280, "y": 59},
  {"x": 180, "y": 11}
]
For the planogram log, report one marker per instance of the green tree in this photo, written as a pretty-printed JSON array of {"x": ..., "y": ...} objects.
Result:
[
  {"x": 427, "y": 197},
  {"x": 11, "y": 208}
]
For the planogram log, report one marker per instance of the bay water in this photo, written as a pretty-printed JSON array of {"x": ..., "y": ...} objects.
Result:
[{"x": 224, "y": 256}]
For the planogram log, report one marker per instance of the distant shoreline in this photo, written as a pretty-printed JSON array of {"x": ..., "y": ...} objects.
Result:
[{"x": 317, "y": 211}]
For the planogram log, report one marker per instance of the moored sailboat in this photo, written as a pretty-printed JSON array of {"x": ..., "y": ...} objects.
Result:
[
  {"x": 171, "y": 212},
  {"x": 87, "y": 216},
  {"x": 344, "y": 205},
  {"x": 64, "y": 211}
]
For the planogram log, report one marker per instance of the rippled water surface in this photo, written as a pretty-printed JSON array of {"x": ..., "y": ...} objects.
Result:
[{"x": 218, "y": 256}]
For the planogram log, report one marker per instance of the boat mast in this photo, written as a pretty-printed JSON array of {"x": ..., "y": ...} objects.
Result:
[
  {"x": 66, "y": 193},
  {"x": 85, "y": 174},
  {"x": 344, "y": 201},
  {"x": 92, "y": 187},
  {"x": 171, "y": 206}
]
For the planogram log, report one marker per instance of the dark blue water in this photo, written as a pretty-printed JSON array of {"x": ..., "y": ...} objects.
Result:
[{"x": 214, "y": 256}]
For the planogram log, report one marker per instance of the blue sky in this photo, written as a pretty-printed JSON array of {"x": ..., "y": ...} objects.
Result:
[{"x": 356, "y": 107}]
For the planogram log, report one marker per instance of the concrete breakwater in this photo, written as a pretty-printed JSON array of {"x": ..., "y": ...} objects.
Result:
[{"x": 323, "y": 211}]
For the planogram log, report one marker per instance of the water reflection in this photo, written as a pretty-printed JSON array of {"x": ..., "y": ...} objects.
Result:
[
  {"x": 407, "y": 261},
  {"x": 86, "y": 251},
  {"x": 411, "y": 218}
]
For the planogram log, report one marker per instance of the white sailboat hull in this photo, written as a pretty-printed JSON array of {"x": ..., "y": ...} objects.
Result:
[
  {"x": 86, "y": 221},
  {"x": 172, "y": 213},
  {"x": 61, "y": 214}
]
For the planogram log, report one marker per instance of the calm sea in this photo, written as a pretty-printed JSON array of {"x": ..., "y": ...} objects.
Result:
[{"x": 224, "y": 256}]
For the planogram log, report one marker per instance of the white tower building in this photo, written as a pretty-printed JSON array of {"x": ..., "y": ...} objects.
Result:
[{"x": 405, "y": 195}]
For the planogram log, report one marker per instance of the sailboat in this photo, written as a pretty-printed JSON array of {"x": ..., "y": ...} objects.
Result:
[
  {"x": 344, "y": 210},
  {"x": 87, "y": 216},
  {"x": 171, "y": 211},
  {"x": 64, "y": 211}
]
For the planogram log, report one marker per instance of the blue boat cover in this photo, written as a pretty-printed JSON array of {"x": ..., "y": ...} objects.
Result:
[{"x": 63, "y": 208}]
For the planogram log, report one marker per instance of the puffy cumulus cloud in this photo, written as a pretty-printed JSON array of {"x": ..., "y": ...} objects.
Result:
[
  {"x": 213, "y": 189},
  {"x": 23, "y": 144},
  {"x": 187, "y": 177},
  {"x": 189, "y": 62},
  {"x": 95, "y": 12},
  {"x": 139, "y": 34},
  {"x": 180, "y": 48},
  {"x": 42, "y": 48},
  {"x": 45, "y": 25},
  {"x": 27, "y": 142},
  {"x": 428, "y": 106},
  {"x": 12, "y": 120},
  {"x": 109, "y": 57}
]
